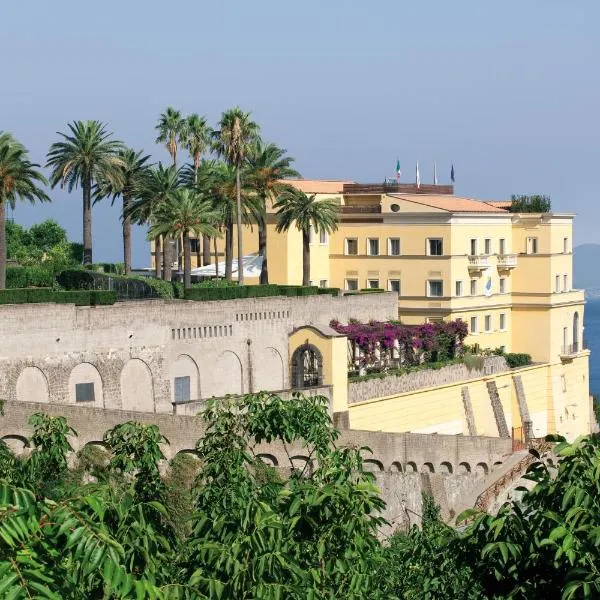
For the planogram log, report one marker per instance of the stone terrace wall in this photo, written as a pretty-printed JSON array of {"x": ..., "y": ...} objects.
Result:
[
  {"x": 388, "y": 386},
  {"x": 133, "y": 350},
  {"x": 404, "y": 464},
  {"x": 391, "y": 452}
]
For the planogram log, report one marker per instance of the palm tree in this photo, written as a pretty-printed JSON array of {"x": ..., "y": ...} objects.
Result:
[
  {"x": 157, "y": 185},
  {"x": 236, "y": 134},
  {"x": 171, "y": 128},
  {"x": 84, "y": 157},
  {"x": 267, "y": 167},
  {"x": 130, "y": 188},
  {"x": 184, "y": 211},
  {"x": 306, "y": 212},
  {"x": 18, "y": 181},
  {"x": 196, "y": 140},
  {"x": 217, "y": 180}
]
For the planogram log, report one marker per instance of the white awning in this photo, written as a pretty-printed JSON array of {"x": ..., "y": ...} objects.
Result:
[{"x": 252, "y": 268}]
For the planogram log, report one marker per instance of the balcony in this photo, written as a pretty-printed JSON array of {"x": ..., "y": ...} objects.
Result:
[
  {"x": 569, "y": 351},
  {"x": 507, "y": 261},
  {"x": 478, "y": 263}
]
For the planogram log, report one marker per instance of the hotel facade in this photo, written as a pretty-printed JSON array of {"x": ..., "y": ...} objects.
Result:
[{"x": 508, "y": 276}]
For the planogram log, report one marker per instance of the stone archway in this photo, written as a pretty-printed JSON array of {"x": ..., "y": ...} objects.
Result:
[
  {"x": 137, "y": 389},
  {"x": 86, "y": 386},
  {"x": 185, "y": 379},
  {"x": 268, "y": 369},
  {"x": 307, "y": 367},
  {"x": 32, "y": 386}
]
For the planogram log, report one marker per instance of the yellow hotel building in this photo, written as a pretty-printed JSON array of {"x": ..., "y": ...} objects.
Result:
[{"x": 507, "y": 275}]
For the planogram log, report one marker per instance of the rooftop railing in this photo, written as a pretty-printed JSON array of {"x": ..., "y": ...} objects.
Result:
[
  {"x": 397, "y": 188},
  {"x": 345, "y": 210}
]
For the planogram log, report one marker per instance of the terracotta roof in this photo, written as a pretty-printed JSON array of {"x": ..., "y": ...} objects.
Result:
[
  {"x": 450, "y": 203},
  {"x": 505, "y": 204},
  {"x": 318, "y": 186}
]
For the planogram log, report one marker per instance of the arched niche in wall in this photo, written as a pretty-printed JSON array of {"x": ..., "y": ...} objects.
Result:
[
  {"x": 137, "y": 389},
  {"x": 32, "y": 386},
  {"x": 226, "y": 375},
  {"x": 307, "y": 367},
  {"x": 185, "y": 379},
  {"x": 268, "y": 369},
  {"x": 85, "y": 386}
]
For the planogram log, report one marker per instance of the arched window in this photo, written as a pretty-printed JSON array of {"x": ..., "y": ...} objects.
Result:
[
  {"x": 576, "y": 332},
  {"x": 307, "y": 367}
]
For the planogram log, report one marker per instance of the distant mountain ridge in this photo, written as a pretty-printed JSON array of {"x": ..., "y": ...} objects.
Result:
[{"x": 586, "y": 268}]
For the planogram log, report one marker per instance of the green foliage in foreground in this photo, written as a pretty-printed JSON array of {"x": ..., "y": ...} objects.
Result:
[{"x": 119, "y": 525}]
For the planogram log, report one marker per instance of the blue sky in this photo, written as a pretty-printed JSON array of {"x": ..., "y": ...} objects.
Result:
[{"x": 508, "y": 91}]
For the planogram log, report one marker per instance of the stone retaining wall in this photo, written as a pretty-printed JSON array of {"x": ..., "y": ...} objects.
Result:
[{"x": 388, "y": 386}]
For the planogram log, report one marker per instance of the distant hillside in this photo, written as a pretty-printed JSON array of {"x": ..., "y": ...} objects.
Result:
[{"x": 586, "y": 268}]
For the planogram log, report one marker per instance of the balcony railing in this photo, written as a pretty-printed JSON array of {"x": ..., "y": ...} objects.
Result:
[
  {"x": 571, "y": 349},
  {"x": 478, "y": 262},
  {"x": 507, "y": 261}
]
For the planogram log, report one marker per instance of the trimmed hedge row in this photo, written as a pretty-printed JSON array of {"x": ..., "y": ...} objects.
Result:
[
  {"x": 39, "y": 295},
  {"x": 32, "y": 276},
  {"x": 365, "y": 291},
  {"x": 254, "y": 291},
  {"x": 516, "y": 359},
  {"x": 127, "y": 287}
]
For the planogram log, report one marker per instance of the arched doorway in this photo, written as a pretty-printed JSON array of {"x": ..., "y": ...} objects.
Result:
[
  {"x": 576, "y": 332},
  {"x": 307, "y": 367}
]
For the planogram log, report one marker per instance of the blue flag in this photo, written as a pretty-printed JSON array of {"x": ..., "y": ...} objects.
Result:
[{"x": 452, "y": 174}]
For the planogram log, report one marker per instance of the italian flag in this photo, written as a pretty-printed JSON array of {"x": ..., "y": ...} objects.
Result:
[{"x": 398, "y": 170}]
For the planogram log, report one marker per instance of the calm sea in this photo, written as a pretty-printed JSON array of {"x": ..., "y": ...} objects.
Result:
[{"x": 591, "y": 335}]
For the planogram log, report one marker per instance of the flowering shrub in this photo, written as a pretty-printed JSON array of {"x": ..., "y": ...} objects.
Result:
[{"x": 390, "y": 344}]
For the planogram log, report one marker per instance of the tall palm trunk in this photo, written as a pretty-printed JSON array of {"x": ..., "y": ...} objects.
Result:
[
  {"x": 167, "y": 258},
  {"x": 126, "y": 236},
  {"x": 262, "y": 248},
  {"x": 180, "y": 251},
  {"x": 198, "y": 252},
  {"x": 205, "y": 250},
  {"x": 157, "y": 257},
  {"x": 187, "y": 261},
  {"x": 87, "y": 219},
  {"x": 240, "y": 252},
  {"x": 228, "y": 248},
  {"x": 305, "y": 257},
  {"x": 2, "y": 243},
  {"x": 216, "y": 258}
]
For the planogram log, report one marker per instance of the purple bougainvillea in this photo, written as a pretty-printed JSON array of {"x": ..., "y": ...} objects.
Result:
[{"x": 402, "y": 344}]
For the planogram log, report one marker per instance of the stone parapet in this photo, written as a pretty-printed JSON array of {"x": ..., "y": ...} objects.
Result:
[{"x": 388, "y": 386}]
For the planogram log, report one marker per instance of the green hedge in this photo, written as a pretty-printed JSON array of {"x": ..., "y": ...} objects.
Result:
[
  {"x": 75, "y": 279},
  {"x": 144, "y": 288},
  {"x": 254, "y": 291},
  {"x": 39, "y": 295},
  {"x": 514, "y": 359},
  {"x": 365, "y": 291},
  {"x": 32, "y": 276}
]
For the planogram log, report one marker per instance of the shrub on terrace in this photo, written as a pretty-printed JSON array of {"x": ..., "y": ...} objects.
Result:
[
  {"x": 414, "y": 343},
  {"x": 530, "y": 204}
]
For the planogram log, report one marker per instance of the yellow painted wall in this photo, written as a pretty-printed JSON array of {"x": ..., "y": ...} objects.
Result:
[{"x": 557, "y": 397}]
